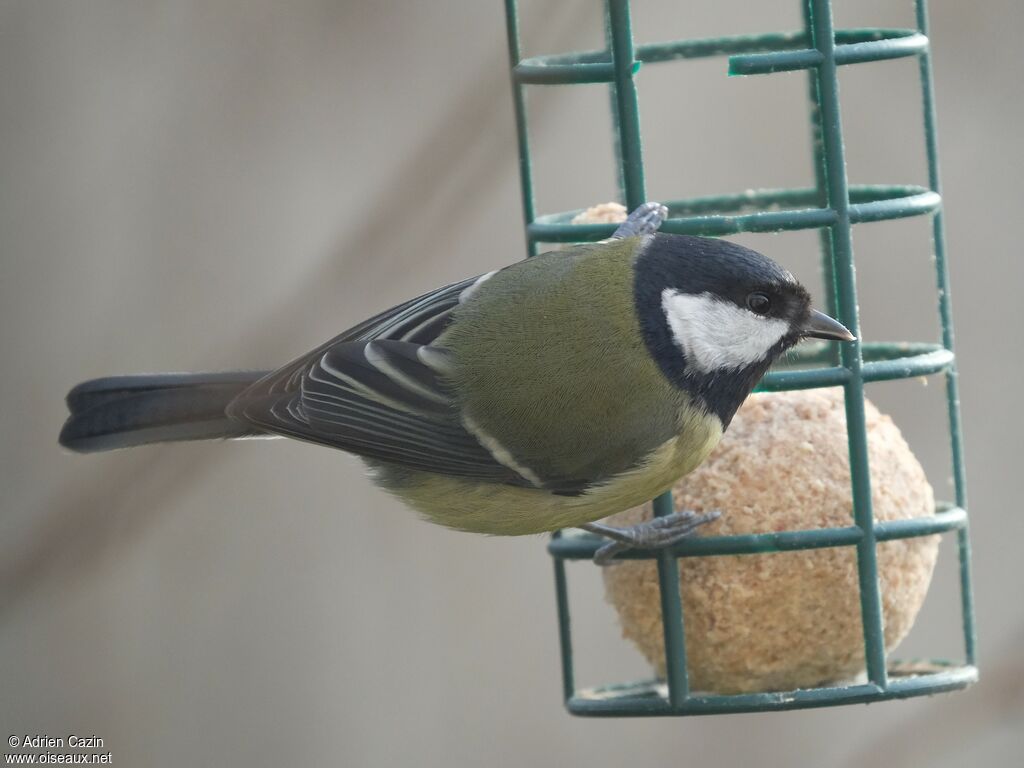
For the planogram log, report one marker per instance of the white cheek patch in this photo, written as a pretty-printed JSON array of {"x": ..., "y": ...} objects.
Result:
[{"x": 716, "y": 334}]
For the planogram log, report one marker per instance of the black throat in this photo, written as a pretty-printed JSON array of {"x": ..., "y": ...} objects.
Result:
[{"x": 675, "y": 260}]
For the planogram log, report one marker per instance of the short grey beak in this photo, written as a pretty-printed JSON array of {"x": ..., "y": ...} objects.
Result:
[{"x": 821, "y": 326}]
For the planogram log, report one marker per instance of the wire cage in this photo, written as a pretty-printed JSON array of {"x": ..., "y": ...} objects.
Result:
[{"x": 832, "y": 206}]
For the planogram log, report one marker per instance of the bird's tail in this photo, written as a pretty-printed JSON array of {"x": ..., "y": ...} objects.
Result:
[{"x": 124, "y": 411}]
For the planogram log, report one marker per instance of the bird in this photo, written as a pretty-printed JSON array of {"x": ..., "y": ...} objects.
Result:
[{"x": 548, "y": 394}]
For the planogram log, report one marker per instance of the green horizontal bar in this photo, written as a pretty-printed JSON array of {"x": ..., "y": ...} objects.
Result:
[
  {"x": 719, "y": 46},
  {"x": 645, "y": 699},
  {"x": 776, "y": 61},
  {"x": 583, "y": 547},
  {"x": 927, "y": 359},
  {"x": 897, "y": 208},
  {"x": 595, "y": 66},
  {"x": 811, "y": 378},
  {"x": 756, "y": 210},
  {"x": 881, "y": 50},
  {"x": 907, "y": 367},
  {"x": 810, "y": 352},
  {"x": 952, "y": 518},
  {"x": 895, "y": 47},
  {"x": 766, "y": 221},
  {"x": 534, "y": 72}
]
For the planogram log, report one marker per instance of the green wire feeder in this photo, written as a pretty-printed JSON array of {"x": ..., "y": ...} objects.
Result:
[{"x": 832, "y": 206}]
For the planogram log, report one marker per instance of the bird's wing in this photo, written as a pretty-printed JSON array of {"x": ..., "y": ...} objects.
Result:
[
  {"x": 419, "y": 321},
  {"x": 378, "y": 390}
]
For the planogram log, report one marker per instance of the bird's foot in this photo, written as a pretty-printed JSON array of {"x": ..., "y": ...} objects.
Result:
[
  {"x": 656, "y": 533},
  {"x": 645, "y": 220}
]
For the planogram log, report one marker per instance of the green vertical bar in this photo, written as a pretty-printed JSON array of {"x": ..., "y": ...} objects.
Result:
[
  {"x": 522, "y": 130},
  {"x": 841, "y": 242},
  {"x": 630, "y": 150},
  {"x": 627, "y": 112},
  {"x": 614, "y": 106},
  {"x": 946, "y": 318},
  {"x": 672, "y": 616},
  {"x": 564, "y": 627},
  {"x": 820, "y": 183}
]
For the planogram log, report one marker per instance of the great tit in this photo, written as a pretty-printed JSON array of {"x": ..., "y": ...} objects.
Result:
[{"x": 545, "y": 395}]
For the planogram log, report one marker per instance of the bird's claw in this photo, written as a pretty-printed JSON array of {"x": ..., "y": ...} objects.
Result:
[
  {"x": 645, "y": 220},
  {"x": 656, "y": 533}
]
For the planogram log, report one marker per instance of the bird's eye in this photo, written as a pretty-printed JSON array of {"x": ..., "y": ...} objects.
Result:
[{"x": 759, "y": 303}]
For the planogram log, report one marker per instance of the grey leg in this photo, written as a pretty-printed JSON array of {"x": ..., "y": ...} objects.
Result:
[
  {"x": 656, "y": 533},
  {"x": 645, "y": 220}
]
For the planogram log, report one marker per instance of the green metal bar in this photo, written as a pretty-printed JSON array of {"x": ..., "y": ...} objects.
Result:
[
  {"x": 595, "y": 66},
  {"x": 522, "y": 128},
  {"x": 946, "y": 318},
  {"x": 766, "y": 221},
  {"x": 881, "y": 50},
  {"x": 952, "y": 519},
  {"x": 884, "y": 210},
  {"x": 724, "y": 214},
  {"x": 672, "y": 614},
  {"x": 842, "y": 255},
  {"x": 627, "y": 112},
  {"x": 776, "y": 61},
  {"x": 749, "y": 55},
  {"x": 564, "y": 626},
  {"x": 719, "y": 46},
  {"x": 647, "y": 702},
  {"x": 820, "y": 182},
  {"x": 562, "y": 74},
  {"x": 811, "y": 378},
  {"x": 583, "y": 547},
  {"x": 627, "y": 120},
  {"x": 904, "y": 368},
  {"x": 742, "y": 44},
  {"x": 872, "y": 351},
  {"x": 613, "y": 104},
  {"x": 910, "y": 367},
  {"x": 853, "y": 53}
]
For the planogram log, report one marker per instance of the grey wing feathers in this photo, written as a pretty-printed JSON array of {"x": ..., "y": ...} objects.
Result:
[
  {"x": 378, "y": 391},
  {"x": 420, "y": 320},
  {"x": 387, "y": 372}
]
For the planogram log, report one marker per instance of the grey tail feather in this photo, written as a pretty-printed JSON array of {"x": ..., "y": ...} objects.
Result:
[{"x": 124, "y": 411}]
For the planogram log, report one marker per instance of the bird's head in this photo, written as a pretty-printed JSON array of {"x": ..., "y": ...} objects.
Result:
[{"x": 715, "y": 315}]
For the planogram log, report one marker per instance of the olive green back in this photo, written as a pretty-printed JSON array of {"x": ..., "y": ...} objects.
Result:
[{"x": 552, "y": 365}]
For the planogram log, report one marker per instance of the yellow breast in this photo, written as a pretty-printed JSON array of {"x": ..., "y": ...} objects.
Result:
[{"x": 511, "y": 511}]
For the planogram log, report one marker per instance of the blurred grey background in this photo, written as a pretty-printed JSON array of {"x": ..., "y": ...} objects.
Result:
[{"x": 205, "y": 185}]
